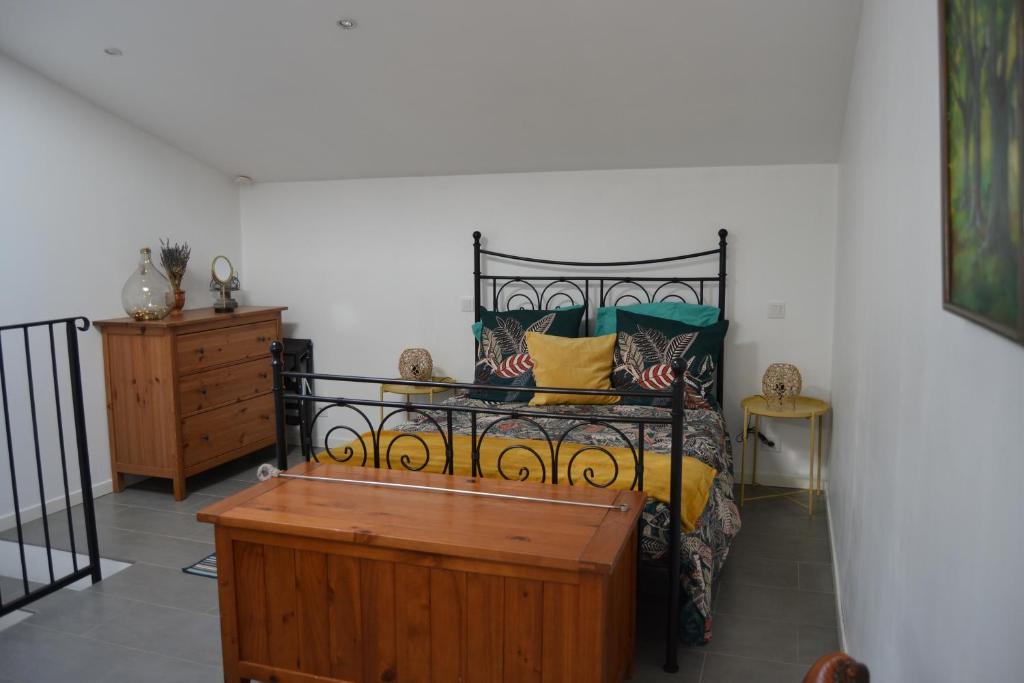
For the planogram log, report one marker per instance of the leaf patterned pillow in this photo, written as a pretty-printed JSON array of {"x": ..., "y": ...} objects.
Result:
[
  {"x": 647, "y": 347},
  {"x": 502, "y": 357}
]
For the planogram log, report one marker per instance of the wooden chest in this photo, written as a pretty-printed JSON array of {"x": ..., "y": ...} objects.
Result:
[
  {"x": 188, "y": 392},
  {"x": 326, "y": 581}
]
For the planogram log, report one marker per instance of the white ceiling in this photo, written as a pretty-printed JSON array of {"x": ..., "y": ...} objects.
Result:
[{"x": 275, "y": 90}]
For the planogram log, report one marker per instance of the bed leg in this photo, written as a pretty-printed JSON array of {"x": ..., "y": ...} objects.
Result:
[{"x": 675, "y": 524}]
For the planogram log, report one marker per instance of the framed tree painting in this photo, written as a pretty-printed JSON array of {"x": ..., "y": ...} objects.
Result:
[{"x": 982, "y": 45}]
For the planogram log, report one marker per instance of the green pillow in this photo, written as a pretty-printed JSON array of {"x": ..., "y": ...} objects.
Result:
[
  {"x": 477, "y": 326},
  {"x": 503, "y": 361},
  {"x": 691, "y": 314},
  {"x": 647, "y": 347}
]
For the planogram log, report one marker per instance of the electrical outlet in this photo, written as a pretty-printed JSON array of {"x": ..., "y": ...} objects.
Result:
[
  {"x": 466, "y": 304},
  {"x": 776, "y": 309}
]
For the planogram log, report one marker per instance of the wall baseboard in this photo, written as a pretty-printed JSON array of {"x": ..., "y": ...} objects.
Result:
[
  {"x": 835, "y": 574},
  {"x": 33, "y": 512}
]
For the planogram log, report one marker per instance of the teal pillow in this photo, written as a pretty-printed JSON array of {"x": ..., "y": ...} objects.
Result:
[
  {"x": 647, "y": 347},
  {"x": 691, "y": 314},
  {"x": 477, "y": 326},
  {"x": 503, "y": 361}
]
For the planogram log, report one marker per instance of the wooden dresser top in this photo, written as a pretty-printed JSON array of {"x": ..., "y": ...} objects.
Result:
[
  {"x": 192, "y": 316},
  {"x": 539, "y": 534}
]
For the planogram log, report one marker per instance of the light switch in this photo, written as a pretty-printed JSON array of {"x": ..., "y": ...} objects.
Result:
[
  {"x": 466, "y": 304},
  {"x": 776, "y": 309}
]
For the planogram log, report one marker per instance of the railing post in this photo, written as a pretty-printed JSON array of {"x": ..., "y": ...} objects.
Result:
[
  {"x": 720, "y": 373},
  {"x": 277, "y": 363},
  {"x": 476, "y": 276},
  {"x": 675, "y": 524},
  {"x": 88, "y": 511}
]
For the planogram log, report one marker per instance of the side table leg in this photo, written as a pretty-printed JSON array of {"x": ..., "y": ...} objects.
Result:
[
  {"x": 810, "y": 472},
  {"x": 757, "y": 438},
  {"x": 820, "y": 456},
  {"x": 743, "y": 457}
]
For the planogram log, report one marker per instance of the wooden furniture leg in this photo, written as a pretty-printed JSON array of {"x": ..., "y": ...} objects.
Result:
[
  {"x": 118, "y": 481},
  {"x": 179, "y": 486}
]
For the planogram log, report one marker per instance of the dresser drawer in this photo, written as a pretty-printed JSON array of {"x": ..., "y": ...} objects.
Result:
[
  {"x": 201, "y": 350},
  {"x": 224, "y": 385},
  {"x": 224, "y": 429}
]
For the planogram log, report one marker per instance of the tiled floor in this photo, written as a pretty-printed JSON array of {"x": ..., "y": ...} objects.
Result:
[{"x": 774, "y": 609}]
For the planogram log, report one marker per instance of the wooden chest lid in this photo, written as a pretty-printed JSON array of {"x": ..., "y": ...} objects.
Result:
[{"x": 534, "y": 533}]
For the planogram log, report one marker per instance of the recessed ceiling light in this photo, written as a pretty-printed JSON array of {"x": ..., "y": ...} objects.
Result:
[
  {"x": 347, "y": 23},
  {"x": 113, "y": 51},
  {"x": 243, "y": 180}
]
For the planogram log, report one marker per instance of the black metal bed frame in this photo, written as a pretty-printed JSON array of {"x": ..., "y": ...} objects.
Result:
[
  {"x": 72, "y": 326},
  {"x": 526, "y": 291}
]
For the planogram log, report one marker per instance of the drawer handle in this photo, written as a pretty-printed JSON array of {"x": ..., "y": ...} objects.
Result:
[
  {"x": 200, "y": 351},
  {"x": 262, "y": 339},
  {"x": 264, "y": 375},
  {"x": 203, "y": 391},
  {"x": 206, "y": 437}
]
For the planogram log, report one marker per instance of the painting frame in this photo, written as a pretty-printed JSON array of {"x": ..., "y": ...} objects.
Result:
[{"x": 1014, "y": 330}]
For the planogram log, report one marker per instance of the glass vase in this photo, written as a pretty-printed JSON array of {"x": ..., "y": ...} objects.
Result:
[{"x": 146, "y": 294}]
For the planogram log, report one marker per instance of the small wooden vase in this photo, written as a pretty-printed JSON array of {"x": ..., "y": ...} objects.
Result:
[{"x": 179, "y": 302}]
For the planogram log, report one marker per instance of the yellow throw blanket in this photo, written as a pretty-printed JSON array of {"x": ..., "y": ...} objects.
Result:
[{"x": 515, "y": 460}]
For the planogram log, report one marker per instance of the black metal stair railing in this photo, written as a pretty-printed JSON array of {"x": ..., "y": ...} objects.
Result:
[{"x": 18, "y": 392}]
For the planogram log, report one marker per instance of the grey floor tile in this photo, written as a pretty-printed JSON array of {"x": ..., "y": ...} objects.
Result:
[
  {"x": 779, "y": 604},
  {"x": 779, "y": 547},
  {"x": 174, "y": 524},
  {"x": 760, "y": 571},
  {"x": 34, "y": 532},
  {"x": 31, "y": 654},
  {"x": 753, "y": 637},
  {"x": 12, "y": 588},
  {"x": 817, "y": 609},
  {"x": 727, "y": 669},
  {"x": 163, "y": 500},
  {"x": 816, "y": 576},
  {"x": 225, "y": 487},
  {"x": 782, "y": 516},
  {"x": 76, "y": 612},
  {"x": 125, "y": 545},
  {"x": 816, "y": 641},
  {"x": 162, "y": 586},
  {"x": 164, "y": 630}
]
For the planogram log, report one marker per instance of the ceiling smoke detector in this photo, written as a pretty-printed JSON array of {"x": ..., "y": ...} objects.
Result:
[
  {"x": 347, "y": 23},
  {"x": 113, "y": 51},
  {"x": 243, "y": 180}
]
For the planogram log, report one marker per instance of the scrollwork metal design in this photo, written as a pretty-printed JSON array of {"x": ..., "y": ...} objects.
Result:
[
  {"x": 589, "y": 476},
  {"x": 524, "y": 471}
]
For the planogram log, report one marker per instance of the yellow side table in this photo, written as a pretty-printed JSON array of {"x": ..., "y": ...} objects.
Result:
[
  {"x": 410, "y": 391},
  {"x": 806, "y": 408}
]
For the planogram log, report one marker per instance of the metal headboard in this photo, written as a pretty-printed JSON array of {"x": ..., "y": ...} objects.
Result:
[{"x": 509, "y": 292}]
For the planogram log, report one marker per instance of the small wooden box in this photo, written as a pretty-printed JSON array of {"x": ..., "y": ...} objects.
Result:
[
  {"x": 324, "y": 581},
  {"x": 188, "y": 392}
]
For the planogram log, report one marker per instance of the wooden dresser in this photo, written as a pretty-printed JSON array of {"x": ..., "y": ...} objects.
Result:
[
  {"x": 188, "y": 392},
  {"x": 357, "y": 583}
]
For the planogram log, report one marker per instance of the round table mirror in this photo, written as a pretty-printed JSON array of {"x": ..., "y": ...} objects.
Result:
[{"x": 223, "y": 273}]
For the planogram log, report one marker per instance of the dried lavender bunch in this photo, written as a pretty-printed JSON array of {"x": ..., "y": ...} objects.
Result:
[{"x": 174, "y": 260}]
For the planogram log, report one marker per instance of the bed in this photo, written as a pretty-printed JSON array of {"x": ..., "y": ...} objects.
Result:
[{"x": 678, "y": 451}]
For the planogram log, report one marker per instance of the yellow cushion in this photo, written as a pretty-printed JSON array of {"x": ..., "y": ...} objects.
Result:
[{"x": 580, "y": 363}]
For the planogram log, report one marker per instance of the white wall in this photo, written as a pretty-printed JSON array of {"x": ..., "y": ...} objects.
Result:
[
  {"x": 80, "y": 192},
  {"x": 925, "y": 492},
  {"x": 370, "y": 267}
]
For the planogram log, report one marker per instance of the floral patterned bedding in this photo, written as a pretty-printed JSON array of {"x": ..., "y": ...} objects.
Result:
[{"x": 703, "y": 550}]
